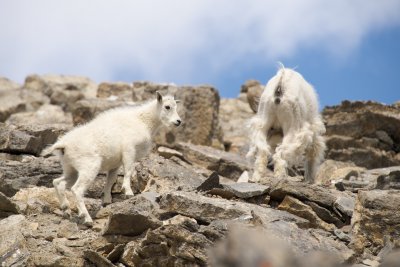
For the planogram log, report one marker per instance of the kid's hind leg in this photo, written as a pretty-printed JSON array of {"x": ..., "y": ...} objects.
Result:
[
  {"x": 85, "y": 179},
  {"x": 129, "y": 171},
  {"x": 60, "y": 184}
]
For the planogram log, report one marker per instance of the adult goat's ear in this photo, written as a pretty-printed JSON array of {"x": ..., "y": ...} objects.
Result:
[{"x": 159, "y": 97}]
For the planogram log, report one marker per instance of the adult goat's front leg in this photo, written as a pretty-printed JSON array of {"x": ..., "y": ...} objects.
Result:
[
  {"x": 259, "y": 127},
  {"x": 314, "y": 157},
  {"x": 292, "y": 149}
]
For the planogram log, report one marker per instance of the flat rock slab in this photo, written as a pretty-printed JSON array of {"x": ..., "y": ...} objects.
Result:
[
  {"x": 208, "y": 209},
  {"x": 227, "y": 164},
  {"x": 303, "y": 191},
  {"x": 246, "y": 190}
]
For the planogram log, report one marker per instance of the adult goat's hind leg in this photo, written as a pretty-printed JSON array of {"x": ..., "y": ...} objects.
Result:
[
  {"x": 111, "y": 179},
  {"x": 314, "y": 157},
  {"x": 85, "y": 179}
]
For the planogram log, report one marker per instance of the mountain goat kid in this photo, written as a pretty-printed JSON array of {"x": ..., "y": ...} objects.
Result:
[
  {"x": 288, "y": 109},
  {"x": 120, "y": 136}
]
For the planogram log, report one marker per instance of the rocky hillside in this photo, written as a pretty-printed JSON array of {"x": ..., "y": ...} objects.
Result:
[{"x": 194, "y": 205}]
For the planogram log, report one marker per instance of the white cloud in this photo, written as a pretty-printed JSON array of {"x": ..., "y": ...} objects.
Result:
[{"x": 176, "y": 40}]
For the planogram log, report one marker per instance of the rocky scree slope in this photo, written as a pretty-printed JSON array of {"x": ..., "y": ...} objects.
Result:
[{"x": 194, "y": 205}]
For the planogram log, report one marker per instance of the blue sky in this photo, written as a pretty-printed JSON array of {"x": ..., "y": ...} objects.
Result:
[{"x": 348, "y": 49}]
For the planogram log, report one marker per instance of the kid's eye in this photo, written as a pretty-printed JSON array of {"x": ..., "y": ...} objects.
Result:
[{"x": 167, "y": 107}]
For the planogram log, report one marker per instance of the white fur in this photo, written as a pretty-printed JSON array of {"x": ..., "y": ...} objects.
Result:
[
  {"x": 120, "y": 136},
  {"x": 294, "y": 126}
]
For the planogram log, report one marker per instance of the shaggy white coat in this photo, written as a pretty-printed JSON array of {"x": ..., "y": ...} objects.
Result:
[
  {"x": 120, "y": 136},
  {"x": 288, "y": 126}
]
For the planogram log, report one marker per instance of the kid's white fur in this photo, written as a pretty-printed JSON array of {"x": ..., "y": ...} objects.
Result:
[
  {"x": 288, "y": 126},
  {"x": 120, "y": 136}
]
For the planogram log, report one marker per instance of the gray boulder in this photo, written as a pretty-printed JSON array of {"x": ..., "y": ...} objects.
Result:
[
  {"x": 13, "y": 246},
  {"x": 28, "y": 139},
  {"x": 227, "y": 164},
  {"x": 375, "y": 218}
]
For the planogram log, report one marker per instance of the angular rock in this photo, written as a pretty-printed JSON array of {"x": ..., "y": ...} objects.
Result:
[
  {"x": 369, "y": 158},
  {"x": 50, "y": 259},
  {"x": 170, "y": 245},
  {"x": 345, "y": 205},
  {"x": 10, "y": 102},
  {"x": 7, "y": 206},
  {"x": 62, "y": 90},
  {"x": 331, "y": 171},
  {"x": 298, "y": 208},
  {"x": 389, "y": 181},
  {"x": 188, "y": 223},
  {"x": 300, "y": 190},
  {"x": 210, "y": 183},
  {"x": 29, "y": 171},
  {"x": 375, "y": 218},
  {"x": 160, "y": 175},
  {"x": 116, "y": 91},
  {"x": 97, "y": 259},
  {"x": 131, "y": 217},
  {"x": 40, "y": 200},
  {"x": 206, "y": 209},
  {"x": 28, "y": 139},
  {"x": 87, "y": 109},
  {"x": 46, "y": 114},
  {"x": 246, "y": 190},
  {"x": 13, "y": 251},
  {"x": 365, "y": 133},
  {"x": 326, "y": 214},
  {"x": 234, "y": 116},
  {"x": 254, "y": 91},
  {"x": 382, "y": 178},
  {"x": 227, "y": 164},
  {"x": 68, "y": 230}
]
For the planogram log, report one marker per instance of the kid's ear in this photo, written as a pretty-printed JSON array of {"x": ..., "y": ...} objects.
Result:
[
  {"x": 177, "y": 101},
  {"x": 159, "y": 97}
]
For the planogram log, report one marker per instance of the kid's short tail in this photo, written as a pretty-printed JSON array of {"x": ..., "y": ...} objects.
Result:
[{"x": 51, "y": 149}]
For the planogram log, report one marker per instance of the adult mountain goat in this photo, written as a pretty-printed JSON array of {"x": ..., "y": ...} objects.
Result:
[
  {"x": 287, "y": 125},
  {"x": 116, "y": 137}
]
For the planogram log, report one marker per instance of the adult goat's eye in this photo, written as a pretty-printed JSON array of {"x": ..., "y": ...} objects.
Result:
[{"x": 167, "y": 107}]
